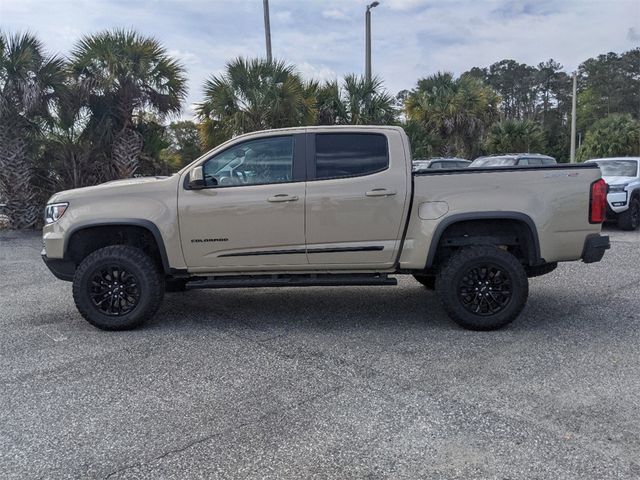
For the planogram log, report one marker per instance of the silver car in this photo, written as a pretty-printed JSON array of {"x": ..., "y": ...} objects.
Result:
[
  {"x": 440, "y": 163},
  {"x": 513, "y": 160}
]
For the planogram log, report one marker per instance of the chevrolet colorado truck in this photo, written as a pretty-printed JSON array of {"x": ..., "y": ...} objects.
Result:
[{"x": 321, "y": 206}]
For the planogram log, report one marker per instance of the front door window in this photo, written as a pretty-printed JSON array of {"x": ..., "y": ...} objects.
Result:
[{"x": 256, "y": 162}]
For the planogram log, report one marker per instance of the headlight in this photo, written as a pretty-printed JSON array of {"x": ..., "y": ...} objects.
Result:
[
  {"x": 617, "y": 188},
  {"x": 54, "y": 211}
]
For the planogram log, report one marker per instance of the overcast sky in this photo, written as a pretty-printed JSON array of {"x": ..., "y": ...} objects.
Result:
[{"x": 325, "y": 39}]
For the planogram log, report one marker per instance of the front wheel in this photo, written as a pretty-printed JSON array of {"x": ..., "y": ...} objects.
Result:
[
  {"x": 482, "y": 288},
  {"x": 630, "y": 218},
  {"x": 117, "y": 288}
]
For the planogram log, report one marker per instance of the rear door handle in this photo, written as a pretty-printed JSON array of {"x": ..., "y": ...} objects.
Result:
[
  {"x": 282, "y": 197},
  {"x": 380, "y": 192}
]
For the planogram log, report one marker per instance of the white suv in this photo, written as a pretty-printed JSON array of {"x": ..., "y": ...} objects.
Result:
[{"x": 622, "y": 174}]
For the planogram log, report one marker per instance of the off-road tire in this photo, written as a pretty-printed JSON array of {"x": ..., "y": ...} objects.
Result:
[
  {"x": 630, "y": 218},
  {"x": 429, "y": 281},
  {"x": 457, "y": 273},
  {"x": 135, "y": 263}
]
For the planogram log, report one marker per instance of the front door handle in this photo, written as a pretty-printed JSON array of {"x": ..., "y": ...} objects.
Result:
[
  {"x": 282, "y": 197},
  {"x": 380, "y": 192}
]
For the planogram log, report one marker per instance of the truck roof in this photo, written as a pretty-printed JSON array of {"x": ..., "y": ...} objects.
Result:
[{"x": 516, "y": 155}]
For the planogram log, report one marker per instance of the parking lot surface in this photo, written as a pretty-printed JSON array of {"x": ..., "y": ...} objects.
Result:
[{"x": 357, "y": 382}]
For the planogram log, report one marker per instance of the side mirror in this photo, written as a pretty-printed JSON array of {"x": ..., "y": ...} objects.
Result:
[{"x": 196, "y": 178}]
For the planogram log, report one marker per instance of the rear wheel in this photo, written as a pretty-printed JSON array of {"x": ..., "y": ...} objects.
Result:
[
  {"x": 630, "y": 218},
  {"x": 482, "y": 288},
  {"x": 429, "y": 281},
  {"x": 117, "y": 288}
]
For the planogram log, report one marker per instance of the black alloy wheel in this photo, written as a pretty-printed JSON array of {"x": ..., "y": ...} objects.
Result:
[
  {"x": 485, "y": 290},
  {"x": 113, "y": 290},
  {"x": 482, "y": 287},
  {"x": 118, "y": 287}
]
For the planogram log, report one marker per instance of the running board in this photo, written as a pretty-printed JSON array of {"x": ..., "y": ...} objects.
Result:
[{"x": 307, "y": 280}]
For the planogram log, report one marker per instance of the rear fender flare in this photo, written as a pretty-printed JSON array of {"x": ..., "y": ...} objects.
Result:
[{"x": 534, "y": 257}]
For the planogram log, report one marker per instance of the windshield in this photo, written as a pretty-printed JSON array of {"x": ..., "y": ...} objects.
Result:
[
  {"x": 494, "y": 162},
  {"x": 618, "y": 168}
]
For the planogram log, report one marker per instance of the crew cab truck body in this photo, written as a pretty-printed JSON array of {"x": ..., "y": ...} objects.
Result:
[{"x": 323, "y": 206}]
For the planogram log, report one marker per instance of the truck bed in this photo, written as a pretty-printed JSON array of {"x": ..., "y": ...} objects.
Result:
[{"x": 546, "y": 198}]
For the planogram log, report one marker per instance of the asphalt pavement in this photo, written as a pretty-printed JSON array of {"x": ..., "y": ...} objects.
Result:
[{"x": 349, "y": 382}]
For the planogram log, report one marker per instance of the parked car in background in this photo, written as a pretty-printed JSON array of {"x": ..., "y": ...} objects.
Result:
[
  {"x": 440, "y": 163},
  {"x": 513, "y": 160},
  {"x": 622, "y": 174}
]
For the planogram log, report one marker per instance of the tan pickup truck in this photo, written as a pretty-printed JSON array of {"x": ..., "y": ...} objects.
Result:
[{"x": 323, "y": 206}]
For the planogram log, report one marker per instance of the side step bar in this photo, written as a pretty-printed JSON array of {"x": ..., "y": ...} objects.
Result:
[{"x": 301, "y": 280}]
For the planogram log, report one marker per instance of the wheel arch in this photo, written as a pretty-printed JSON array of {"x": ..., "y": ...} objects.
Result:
[
  {"x": 97, "y": 226},
  {"x": 533, "y": 256}
]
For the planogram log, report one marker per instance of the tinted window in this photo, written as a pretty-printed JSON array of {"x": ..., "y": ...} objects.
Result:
[
  {"x": 265, "y": 160},
  {"x": 548, "y": 161},
  {"x": 531, "y": 161},
  {"x": 494, "y": 162},
  {"x": 350, "y": 154},
  {"x": 450, "y": 164},
  {"x": 618, "y": 168}
]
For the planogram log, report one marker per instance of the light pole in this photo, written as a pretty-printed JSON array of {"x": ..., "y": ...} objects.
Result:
[
  {"x": 267, "y": 29},
  {"x": 572, "y": 152},
  {"x": 367, "y": 22}
]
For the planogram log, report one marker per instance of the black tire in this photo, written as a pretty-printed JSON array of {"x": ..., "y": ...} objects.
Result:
[
  {"x": 482, "y": 288},
  {"x": 117, "y": 288},
  {"x": 429, "y": 281},
  {"x": 630, "y": 218}
]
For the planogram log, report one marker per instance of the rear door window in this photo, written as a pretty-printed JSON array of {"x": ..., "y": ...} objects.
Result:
[
  {"x": 341, "y": 155},
  {"x": 531, "y": 161}
]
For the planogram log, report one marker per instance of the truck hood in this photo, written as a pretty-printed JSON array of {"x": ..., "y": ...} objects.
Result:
[
  {"x": 618, "y": 180},
  {"x": 117, "y": 186}
]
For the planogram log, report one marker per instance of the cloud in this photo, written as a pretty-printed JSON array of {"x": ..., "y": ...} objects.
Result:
[
  {"x": 325, "y": 39},
  {"x": 404, "y": 5},
  {"x": 335, "y": 14},
  {"x": 283, "y": 16},
  {"x": 316, "y": 72}
]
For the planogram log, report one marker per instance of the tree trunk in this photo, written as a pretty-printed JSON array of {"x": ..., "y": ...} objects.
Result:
[
  {"x": 127, "y": 146},
  {"x": 16, "y": 179}
]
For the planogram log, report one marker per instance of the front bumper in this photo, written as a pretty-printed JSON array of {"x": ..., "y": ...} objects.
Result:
[
  {"x": 594, "y": 247},
  {"x": 62, "y": 269},
  {"x": 617, "y": 202}
]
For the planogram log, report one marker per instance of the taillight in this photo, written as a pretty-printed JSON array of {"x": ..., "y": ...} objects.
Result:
[{"x": 598, "y": 201}]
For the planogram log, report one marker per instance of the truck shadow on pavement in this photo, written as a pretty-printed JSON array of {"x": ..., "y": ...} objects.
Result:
[
  {"x": 408, "y": 306},
  {"x": 306, "y": 308}
]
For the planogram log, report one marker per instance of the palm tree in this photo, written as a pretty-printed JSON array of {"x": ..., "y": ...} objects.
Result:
[
  {"x": 71, "y": 158},
  {"x": 357, "y": 102},
  {"x": 515, "y": 136},
  {"x": 253, "y": 94},
  {"x": 328, "y": 105},
  {"x": 29, "y": 84},
  {"x": 127, "y": 75},
  {"x": 366, "y": 102},
  {"x": 456, "y": 110}
]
